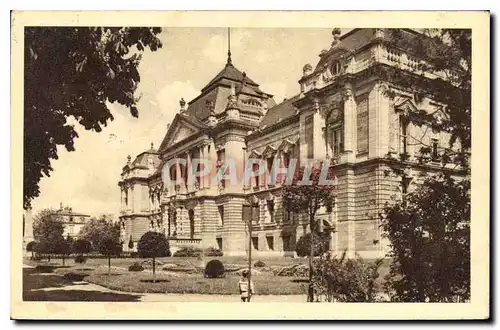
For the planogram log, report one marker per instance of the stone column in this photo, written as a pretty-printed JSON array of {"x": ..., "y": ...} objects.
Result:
[
  {"x": 349, "y": 124},
  {"x": 132, "y": 198},
  {"x": 190, "y": 178},
  {"x": 319, "y": 142}
]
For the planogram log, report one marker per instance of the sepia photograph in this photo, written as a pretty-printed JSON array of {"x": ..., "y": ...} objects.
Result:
[{"x": 231, "y": 163}]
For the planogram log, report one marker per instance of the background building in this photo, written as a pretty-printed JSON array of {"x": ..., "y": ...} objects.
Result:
[
  {"x": 342, "y": 112},
  {"x": 73, "y": 222}
]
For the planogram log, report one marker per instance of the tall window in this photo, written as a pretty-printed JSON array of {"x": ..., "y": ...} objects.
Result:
[
  {"x": 255, "y": 169},
  {"x": 220, "y": 163},
  {"x": 362, "y": 124},
  {"x": 286, "y": 159},
  {"x": 403, "y": 124},
  {"x": 191, "y": 223},
  {"x": 338, "y": 141},
  {"x": 270, "y": 161},
  {"x": 309, "y": 136},
  {"x": 221, "y": 215},
  {"x": 270, "y": 210}
]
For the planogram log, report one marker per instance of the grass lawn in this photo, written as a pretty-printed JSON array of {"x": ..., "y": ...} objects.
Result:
[
  {"x": 95, "y": 271},
  {"x": 142, "y": 282}
]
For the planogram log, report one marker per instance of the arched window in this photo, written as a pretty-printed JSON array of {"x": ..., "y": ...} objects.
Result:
[{"x": 335, "y": 68}]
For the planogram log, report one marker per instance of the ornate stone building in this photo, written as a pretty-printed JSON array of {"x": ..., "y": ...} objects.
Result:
[{"x": 342, "y": 112}]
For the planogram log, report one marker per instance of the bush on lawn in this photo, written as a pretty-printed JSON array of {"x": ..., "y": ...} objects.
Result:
[
  {"x": 134, "y": 255},
  {"x": 136, "y": 267},
  {"x": 259, "y": 263},
  {"x": 188, "y": 252},
  {"x": 321, "y": 244},
  {"x": 214, "y": 269},
  {"x": 213, "y": 252},
  {"x": 80, "y": 259}
]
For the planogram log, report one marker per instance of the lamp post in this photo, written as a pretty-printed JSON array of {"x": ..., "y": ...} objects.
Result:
[{"x": 250, "y": 202}]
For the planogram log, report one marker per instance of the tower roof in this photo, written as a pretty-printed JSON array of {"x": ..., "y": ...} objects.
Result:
[{"x": 228, "y": 74}]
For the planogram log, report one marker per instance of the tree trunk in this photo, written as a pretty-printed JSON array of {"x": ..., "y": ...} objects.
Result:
[
  {"x": 154, "y": 276},
  {"x": 109, "y": 265},
  {"x": 63, "y": 260},
  {"x": 310, "y": 291}
]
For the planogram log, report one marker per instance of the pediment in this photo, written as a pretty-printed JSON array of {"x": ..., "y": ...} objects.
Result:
[
  {"x": 254, "y": 154},
  {"x": 405, "y": 105},
  {"x": 179, "y": 130},
  {"x": 269, "y": 152}
]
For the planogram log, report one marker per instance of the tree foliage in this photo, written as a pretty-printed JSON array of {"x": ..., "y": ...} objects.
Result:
[
  {"x": 153, "y": 245},
  {"x": 81, "y": 246},
  {"x": 75, "y": 72},
  {"x": 429, "y": 229},
  {"x": 321, "y": 243},
  {"x": 430, "y": 241},
  {"x": 345, "y": 280},
  {"x": 48, "y": 230},
  {"x": 110, "y": 246},
  {"x": 94, "y": 230},
  {"x": 309, "y": 198}
]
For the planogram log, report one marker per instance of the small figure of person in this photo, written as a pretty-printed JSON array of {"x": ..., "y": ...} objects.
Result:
[{"x": 246, "y": 287}]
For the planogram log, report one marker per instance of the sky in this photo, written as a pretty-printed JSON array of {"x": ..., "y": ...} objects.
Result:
[{"x": 87, "y": 179}]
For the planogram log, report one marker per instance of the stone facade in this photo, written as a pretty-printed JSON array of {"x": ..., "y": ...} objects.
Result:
[{"x": 342, "y": 113}]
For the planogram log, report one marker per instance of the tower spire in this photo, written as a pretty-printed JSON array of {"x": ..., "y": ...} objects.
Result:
[{"x": 229, "y": 61}]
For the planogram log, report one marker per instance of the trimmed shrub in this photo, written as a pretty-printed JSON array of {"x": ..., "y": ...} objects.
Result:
[
  {"x": 321, "y": 244},
  {"x": 136, "y": 267},
  {"x": 188, "y": 252},
  {"x": 134, "y": 254},
  {"x": 259, "y": 263},
  {"x": 80, "y": 259},
  {"x": 30, "y": 247},
  {"x": 213, "y": 252},
  {"x": 153, "y": 245},
  {"x": 214, "y": 269}
]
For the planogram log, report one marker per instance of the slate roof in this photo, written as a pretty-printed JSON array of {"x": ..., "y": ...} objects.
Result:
[
  {"x": 229, "y": 72},
  {"x": 279, "y": 112}
]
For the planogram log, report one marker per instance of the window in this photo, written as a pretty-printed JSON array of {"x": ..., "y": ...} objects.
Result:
[
  {"x": 287, "y": 216},
  {"x": 220, "y": 164},
  {"x": 221, "y": 215},
  {"x": 255, "y": 213},
  {"x": 255, "y": 243},
  {"x": 219, "y": 243},
  {"x": 191, "y": 223},
  {"x": 338, "y": 142},
  {"x": 286, "y": 159},
  {"x": 270, "y": 162},
  {"x": 309, "y": 136},
  {"x": 362, "y": 124},
  {"x": 403, "y": 123},
  {"x": 126, "y": 196},
  {"x": 270, "y": 210},
  {"x": 335, "y": 68},
  {"x": 435, "y": 154},
  {"x": 255, "y": 169},
  {"x": 270, "y": 242}
]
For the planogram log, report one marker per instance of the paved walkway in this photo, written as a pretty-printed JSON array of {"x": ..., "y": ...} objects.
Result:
[{"x": 53, "y": 289}]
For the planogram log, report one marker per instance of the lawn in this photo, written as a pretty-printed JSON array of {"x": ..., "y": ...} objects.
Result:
[
  {"x": 142, "y": 282},
  {"x": 95, "y": 271}
]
